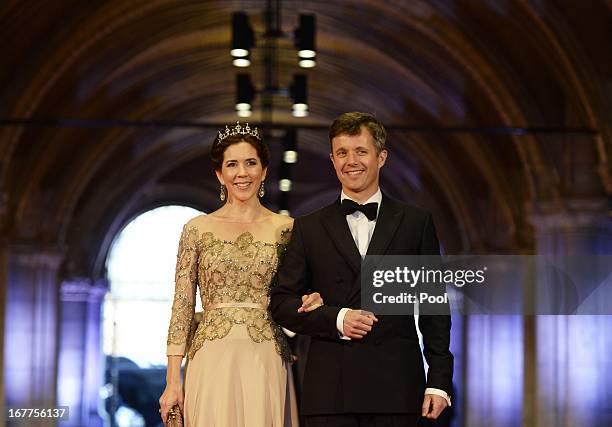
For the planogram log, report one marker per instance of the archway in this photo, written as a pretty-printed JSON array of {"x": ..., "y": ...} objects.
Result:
[{"x": 136, "y": 313}]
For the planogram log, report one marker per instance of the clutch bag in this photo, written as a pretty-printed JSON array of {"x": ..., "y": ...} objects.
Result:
[{"x": 175, "y": 418}]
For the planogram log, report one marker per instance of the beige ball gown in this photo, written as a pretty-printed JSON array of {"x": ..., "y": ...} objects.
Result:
[{"x": 239, "y": 370}]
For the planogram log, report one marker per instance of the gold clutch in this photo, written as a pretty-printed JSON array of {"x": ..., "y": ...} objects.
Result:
[{"x": 175, "y": 418}]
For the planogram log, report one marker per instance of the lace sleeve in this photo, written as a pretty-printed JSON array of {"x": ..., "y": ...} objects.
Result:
[{"x": 183, "y": 305}]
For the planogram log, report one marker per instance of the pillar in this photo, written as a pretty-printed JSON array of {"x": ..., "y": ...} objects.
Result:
[
  {"x": 80, "y": 358},
  {"x": 572, "y": 369},
  {"x": 30, "y": 326}
]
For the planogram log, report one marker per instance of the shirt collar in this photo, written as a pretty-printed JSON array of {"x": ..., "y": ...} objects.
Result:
[{"x": 376, "y": 198}]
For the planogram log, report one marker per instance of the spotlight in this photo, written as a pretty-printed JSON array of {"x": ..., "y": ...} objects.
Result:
[
  {"x": 307, "y": 54},
  {"x": 307, "y": 63},
  {"x": 289, "y": 142},
  {"x": 299, "y": 113},
  {"x": 242, "y": 38},
  {"x": 244, "y": 95},
  {"x": 299, "y": 94},
  {"x": 283, "y": 203},
  {"x": 284, "y": 184},
  {"x": 239, "y": 53},
  {"x": 290, "y": 156},
  {"x": 241, "y": 62},
  {"x": 305, "y": 38}
]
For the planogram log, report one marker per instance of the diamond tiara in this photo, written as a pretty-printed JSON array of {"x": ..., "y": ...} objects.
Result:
[{"x": 238, "y": 130}]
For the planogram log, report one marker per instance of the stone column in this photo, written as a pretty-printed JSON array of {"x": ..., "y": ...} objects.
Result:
[
  {"x": 493, "y": 365},
  {"x": 3, "y": 288},
  {"x": 571, "y": 363},
  {"x": 30, "y": 330},
  {"x": 81, "y": 359}
]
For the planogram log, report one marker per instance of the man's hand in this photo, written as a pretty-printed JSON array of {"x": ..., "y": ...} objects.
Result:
[
  {"x": 433, "y": 405},
  {"x": 310, "y": 302},
  {"x": 357, "y": 324}
]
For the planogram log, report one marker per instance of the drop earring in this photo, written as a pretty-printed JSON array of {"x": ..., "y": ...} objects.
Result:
[
  {"x": 262, "y": 190},
  {"x": 222, "y": 194}
]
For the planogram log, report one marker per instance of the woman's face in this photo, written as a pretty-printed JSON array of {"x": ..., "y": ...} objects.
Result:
[{"x": 241, "y": 171}]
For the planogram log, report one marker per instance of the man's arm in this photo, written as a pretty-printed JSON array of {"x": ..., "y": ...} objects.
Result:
[
  {"x": 436, "y": 328},
  {"x": 293, "y": 281}
]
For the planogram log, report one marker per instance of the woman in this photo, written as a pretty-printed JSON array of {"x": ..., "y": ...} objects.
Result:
[{"x": 239, "y": 373}]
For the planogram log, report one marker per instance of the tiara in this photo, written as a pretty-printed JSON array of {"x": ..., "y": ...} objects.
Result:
[{"x": 238, "y": 130}]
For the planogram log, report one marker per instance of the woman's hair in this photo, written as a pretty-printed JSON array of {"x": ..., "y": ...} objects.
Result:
[{"x": 220, "y": 145}]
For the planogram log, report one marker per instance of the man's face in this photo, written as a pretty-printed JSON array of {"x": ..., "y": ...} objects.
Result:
[{"x": 356, "y": 163}]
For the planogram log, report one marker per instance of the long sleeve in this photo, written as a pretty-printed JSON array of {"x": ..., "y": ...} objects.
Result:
[
  {"x": 436, "y": 328},
  {"x": 183, "y": 306},
  {"x": 294, "y": 281}
]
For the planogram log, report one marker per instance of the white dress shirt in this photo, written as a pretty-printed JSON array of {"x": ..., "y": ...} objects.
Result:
[{"x": 362, "y": 230}]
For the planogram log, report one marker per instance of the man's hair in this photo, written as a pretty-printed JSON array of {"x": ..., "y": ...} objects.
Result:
[{"x": 351, "y": 123}]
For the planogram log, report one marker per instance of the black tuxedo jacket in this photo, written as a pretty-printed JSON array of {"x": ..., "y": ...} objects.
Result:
[{"x": 383, "y": 372}]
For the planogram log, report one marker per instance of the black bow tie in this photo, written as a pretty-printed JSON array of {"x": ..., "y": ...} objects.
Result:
[{"x": 369, "y": 209}]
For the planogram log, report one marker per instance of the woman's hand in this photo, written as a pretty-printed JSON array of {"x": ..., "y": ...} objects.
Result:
[
  {"x": 310, "y": 302},
  {"x": 172, "y": 395}
]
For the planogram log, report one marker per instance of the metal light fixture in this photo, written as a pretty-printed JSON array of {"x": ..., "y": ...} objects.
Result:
[
  {"x": 284, "y": 184},
  {"x": 299, "y": 94},
  {"x": 283, "y": 203},
  {"x": 284, "y": 175},
  {"x": 290, "y": 154},
  {"x": 241, "y": 62},
  {"x": 245, "y": 93},
  {"x": 243, "y": 39},
  {"x": 305, "y": 41}
]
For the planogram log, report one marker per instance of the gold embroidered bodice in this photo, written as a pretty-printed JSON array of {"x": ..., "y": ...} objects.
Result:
[{"x": 234, "y": 279}]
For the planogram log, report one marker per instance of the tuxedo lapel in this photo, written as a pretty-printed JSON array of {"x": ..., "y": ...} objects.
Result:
[
  {"x": 389, "y": 218},
  {"x": 334, "y": 222}
]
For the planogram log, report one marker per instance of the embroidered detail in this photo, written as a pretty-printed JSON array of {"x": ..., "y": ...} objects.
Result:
[
  {"x": 227, "y": 271},
  {"x": 184, "y": 293}
]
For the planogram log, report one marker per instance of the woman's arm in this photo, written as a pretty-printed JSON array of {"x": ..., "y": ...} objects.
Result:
[
  {"x": 173, "y": 393},
  {"x": 183, "y": 308}
]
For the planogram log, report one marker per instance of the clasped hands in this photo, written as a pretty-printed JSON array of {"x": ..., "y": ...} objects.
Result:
[{"x": 357, "y": 323}]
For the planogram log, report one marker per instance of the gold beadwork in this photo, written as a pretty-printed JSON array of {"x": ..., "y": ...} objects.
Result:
[{"x": 227, "y": 271}]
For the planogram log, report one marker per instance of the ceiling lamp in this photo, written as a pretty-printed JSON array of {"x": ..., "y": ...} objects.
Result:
[
  {"x": 305, "y": 41},
  {"x": 245, "y": 92},
  {"x": 299, "y": 94},
  {"x": 243, "y": 39}
]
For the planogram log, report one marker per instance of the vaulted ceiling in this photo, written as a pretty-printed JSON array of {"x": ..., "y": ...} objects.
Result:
[{"x": 97, "y": 97}]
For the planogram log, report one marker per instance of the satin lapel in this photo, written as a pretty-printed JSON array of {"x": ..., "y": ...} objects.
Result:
[
  {"x": 389, "y": 218},
  {"x": 337, "y": 228}
]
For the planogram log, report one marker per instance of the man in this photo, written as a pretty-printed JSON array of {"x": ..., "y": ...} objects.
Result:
[{"x": 361, "y": 370}]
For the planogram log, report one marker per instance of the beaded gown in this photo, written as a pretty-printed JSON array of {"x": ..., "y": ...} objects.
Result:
[{"x": 238, "y": 371}]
